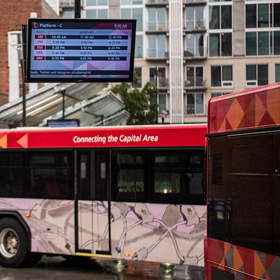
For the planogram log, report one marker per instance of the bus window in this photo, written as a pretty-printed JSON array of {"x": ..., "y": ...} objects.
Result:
[
  {"x": 101, "y": 188},
  {"x": 11, "y": 174},
  {"x": 178, "y": 175},
  {"x": 167, "y": 182},
  {"x": 50, "y": 175},
  {"x": 84, "y": 182},
  {"x": 128, "y": 176}
]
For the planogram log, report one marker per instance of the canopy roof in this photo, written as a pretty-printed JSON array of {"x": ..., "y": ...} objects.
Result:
[{"x": 80, "y": 102}]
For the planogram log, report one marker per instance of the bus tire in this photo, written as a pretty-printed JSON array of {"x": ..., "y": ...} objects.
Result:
[
  {"x": 31, "y": 259},
  {"x": 13, "y": 243}
]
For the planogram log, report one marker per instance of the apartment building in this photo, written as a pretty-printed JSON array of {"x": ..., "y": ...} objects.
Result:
[{"x": 193, "y": 50}]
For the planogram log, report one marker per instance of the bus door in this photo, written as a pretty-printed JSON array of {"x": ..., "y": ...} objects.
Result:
[
  {"x": 276, "y": 193},
  {"x": 92, "y": 203}
]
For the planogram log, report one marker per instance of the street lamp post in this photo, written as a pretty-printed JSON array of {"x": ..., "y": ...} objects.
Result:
[{"x": 156, "y": 75}]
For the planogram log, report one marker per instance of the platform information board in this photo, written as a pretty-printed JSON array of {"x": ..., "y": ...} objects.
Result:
[{"x": 61, "y": 50}]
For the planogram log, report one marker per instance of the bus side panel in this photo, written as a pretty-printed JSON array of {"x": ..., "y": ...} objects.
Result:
[
  {"x": 51, "y": 223},
  {"x": 158, "y": 232},
  {"x": 142, "y": 231},
  {"x": 229, "y": 261}
]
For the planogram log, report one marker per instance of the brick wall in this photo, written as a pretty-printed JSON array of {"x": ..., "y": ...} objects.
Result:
[{"x": 13, "y": 15}]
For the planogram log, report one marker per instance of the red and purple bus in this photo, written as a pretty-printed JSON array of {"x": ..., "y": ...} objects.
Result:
[
  {"x": 115, "y": 192},
  {"x": 243, "y": 216}
]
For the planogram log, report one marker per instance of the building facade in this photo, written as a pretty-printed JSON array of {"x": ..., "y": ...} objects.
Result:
[
  {"x": 14, "y": 14},
  {"x": 193, "y": 50}
]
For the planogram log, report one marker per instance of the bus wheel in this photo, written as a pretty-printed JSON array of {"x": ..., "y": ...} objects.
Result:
[{"x": 13, "y": 243}]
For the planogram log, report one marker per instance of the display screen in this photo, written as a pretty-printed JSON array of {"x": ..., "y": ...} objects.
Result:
[
  {"x": 63, "y": 123},
  {"x": 80, "y": 50}
]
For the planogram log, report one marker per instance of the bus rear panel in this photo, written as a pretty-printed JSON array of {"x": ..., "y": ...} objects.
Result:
[{"x": 243, "y": 227}]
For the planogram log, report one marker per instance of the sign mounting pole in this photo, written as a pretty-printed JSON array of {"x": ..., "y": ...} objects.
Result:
[{"x": 77, "y": 8}]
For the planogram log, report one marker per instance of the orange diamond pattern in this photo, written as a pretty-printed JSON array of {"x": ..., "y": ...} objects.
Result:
[
  {"x": 246, "y": 261},
  {"x": 246, "y": 109}
]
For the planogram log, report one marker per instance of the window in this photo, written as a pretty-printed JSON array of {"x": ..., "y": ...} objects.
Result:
[
  {"x": 195, "y": 76},
  {"x": 220, "y": 17},
  {"x": 50, "y": 175},
  {"x": 12, "y": 173},
  {"x": 256, "y": 75},
  {"x": 96, "y": 2},
  {"x": 156, "y": 46},
  {"x": 194, "y": 18},
  {"x": 137, "y": 13},
  {"x": 138, "y": 46},
  {"x": 257, "y": 15},
  {"x": 276, "y": 45},
  {"x": 97, "y": 14},
  {"x": 195, "y": 104},
  {"x": 263, "y": 43},
  {"x": 128, "y": 175},
  {"x": 220, "y": 44},
  {"x": 156, "y": 19},
  {"x": 257, "y": 43},
  {"x": 90, "y": 2},
  {"x": 221, "y": 76},
  {"x": 277, "y": 73},
  {"x": 215, "y": 94},
  {"x": 162, "y": 102},
  {"x": 276, "y": 14},
  {"x": 262, "y": 15},
  {"x": 138, "y": 72},
  {"x": 68, "y": 14},
  {"x": 129, "y": 2},
  {"x": 218, "y": 0},
  {"x": 194, "y": 45},
  {"x": 178, "y": 175},
  {"x": 158, "y": 79}
]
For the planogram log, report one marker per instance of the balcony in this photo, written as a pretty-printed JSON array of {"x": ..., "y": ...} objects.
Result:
[
  {"x": 67, "y": 3},
  {"x": 198, "y": 109},
  {"x": 160, "y": 82},
  {"x": 196, "y": 53},
  {"x": 194, "y": 2},
  {"x": 152, "y": 3},
  {"x": 158, "y": 26},
  {"x": 157, "y": 54},
  {"x": 195, "y": 25},
  {"x": 195, "y": 83}
]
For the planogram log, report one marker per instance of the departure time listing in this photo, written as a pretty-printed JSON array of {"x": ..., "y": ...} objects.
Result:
[{"x": 80, "y": 47}]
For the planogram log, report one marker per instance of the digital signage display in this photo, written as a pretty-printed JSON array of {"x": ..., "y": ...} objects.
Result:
[
  {"x": 80, "y": 50},
  {"x": 63, "y": 123}
]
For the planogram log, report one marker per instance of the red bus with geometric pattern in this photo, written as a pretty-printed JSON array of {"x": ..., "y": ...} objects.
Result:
[
  {"x": 127, "y": 192},
  {"x": 243, "y": 216}
]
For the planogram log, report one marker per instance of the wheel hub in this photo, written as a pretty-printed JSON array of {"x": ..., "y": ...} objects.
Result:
[{"x": 8, "y": 243}]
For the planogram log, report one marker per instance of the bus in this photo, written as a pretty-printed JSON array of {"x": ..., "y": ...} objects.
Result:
[
  {"x": 127, "y": 192},
  {"x": 243, "y": 197}
]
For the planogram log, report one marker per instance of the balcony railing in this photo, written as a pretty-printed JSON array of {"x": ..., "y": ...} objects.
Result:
[
  {"x": 196, "y": 82},
  {"x": 157, "y": 1},
  {"x": 198, "y": 24},
  {"x": 66, "y": 3},
  {"x": 195, "y": 52},
  {"x": 157, "y": 53},
  {"x": 194, "y": 1},
  {"x": 160, "y": 82},
  {"x": 157, "y": 26},
  {"x": 198, "y": 109}
]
